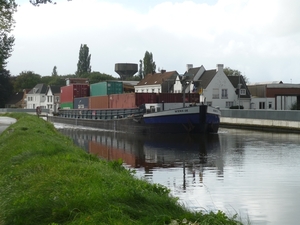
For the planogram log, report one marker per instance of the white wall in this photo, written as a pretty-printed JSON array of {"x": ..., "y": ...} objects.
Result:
[
  {"x": 177, "y": 86},
  {"x": 220, "y": 81},
  {"x": 148, "y": 89},
  {"x": 255, "y": 102},
  {"x": 35, "y": 100}
]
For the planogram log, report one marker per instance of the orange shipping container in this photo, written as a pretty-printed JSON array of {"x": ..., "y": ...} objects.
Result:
[
  {"x": 99, "y": 102},
  {"x": 112, "y": 153},
  {"x": 122, "y": 101}
]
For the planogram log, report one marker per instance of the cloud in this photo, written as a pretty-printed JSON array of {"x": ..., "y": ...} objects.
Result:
[{"x": 249, "y": 35}]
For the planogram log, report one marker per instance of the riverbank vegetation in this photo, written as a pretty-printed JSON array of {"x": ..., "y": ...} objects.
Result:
[{"x": 46, "y": 179}]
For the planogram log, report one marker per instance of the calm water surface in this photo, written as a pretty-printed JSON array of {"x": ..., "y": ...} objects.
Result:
[{"x": 253, "y": 174}]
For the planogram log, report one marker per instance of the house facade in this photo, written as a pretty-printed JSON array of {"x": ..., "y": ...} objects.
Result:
[
  {"x": 52, "y": 101},
  {"x": 36, "y": 97},
  {"x": 274, "y": 95},
  {"x": 164, "y": 82},
  {"x": 218, "y": 89}
]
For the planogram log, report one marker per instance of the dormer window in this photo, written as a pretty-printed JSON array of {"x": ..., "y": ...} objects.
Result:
[
  {"x": 155, "y": 82},
  {"x": 146, "y": 82}
]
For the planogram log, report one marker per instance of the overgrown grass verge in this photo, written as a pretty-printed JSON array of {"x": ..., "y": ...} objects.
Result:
[{"x": 46, "y": 179}]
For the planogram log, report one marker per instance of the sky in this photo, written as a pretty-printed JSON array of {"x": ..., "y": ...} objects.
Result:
[{"x": 260, "y": 38}]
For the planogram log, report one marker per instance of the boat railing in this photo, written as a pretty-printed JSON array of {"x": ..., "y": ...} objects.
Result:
[{"x": 100, "y": 114}]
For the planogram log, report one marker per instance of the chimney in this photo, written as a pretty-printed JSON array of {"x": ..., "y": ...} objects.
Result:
[
  {"x": 220, "y": 67},
  {"x": 162, "y": 71},
  {"x": 188, "y": 67}
]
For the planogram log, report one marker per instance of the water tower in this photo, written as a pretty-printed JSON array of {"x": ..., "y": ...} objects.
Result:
[{"x": 126, "y": 69}]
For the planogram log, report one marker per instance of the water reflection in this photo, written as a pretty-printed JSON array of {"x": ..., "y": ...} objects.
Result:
[
  {"x": 192, "y": 153},
  {"x": 254, "y": 174}
]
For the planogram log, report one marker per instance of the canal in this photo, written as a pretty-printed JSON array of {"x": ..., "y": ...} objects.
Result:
[{"x": 249, "y": 173}]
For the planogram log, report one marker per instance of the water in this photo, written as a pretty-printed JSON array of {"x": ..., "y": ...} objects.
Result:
[{"x": 254, "y": 174}]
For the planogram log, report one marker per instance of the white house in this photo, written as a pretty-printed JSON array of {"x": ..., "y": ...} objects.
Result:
[
  {"x": 164, "y": 82},
  {"x": 218, "y": 88},
  {"x": 36, "y": 97},
  {"x": 52, "y": 98}
]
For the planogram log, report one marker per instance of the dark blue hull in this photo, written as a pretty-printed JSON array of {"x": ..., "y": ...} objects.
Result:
[{"x": 188, "y": 120}]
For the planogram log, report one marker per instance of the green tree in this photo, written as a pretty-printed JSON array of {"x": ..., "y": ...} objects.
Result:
[
  {"x": 26, "y": 80},
  {"x": 83, "y": 65},
  {"x": 230, "y": 72},
  {"x": 149, "y": 64},
  {"x": 7, "y": 9},
  {"x": 58, "y": 81},
  {"x": 38, "y": 2},
  {"x": 6, "y": 88},
  {"x": 54, "y": 72},
  {"x": 95, "y": 77}
]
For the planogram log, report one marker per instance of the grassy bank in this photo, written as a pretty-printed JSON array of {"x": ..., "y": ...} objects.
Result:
[{"x": 46, "y": 179}]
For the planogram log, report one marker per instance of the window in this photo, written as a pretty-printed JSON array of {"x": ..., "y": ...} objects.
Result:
[
  {"x": 243, "y": 92},
  {"x": 270, "y": 105},
  {"x": 229, "y": 104},
  {"x": 152, "y": 90},
  {"x": 224, "y": 93},
  {"x": 261, "y": 105},
  {"x": 216, "y": 94}
]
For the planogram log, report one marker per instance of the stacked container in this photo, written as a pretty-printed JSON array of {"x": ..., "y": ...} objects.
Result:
[
  {"x": 122, "y": 101},
  {"x": 69, "y": 93},
  {"x": 106, "y": 88}
]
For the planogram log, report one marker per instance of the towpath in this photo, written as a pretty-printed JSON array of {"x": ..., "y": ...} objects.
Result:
[{"x": 5, "y": 122}]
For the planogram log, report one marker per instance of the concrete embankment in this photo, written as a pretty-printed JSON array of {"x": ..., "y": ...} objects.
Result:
[{"x": 267, "y": 120}]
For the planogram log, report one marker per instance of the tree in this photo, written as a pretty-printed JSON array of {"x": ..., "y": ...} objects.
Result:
[
  {"x": 7, "y": 9},
  {"x": 95, "y": 77},
  {"x": 83, "y": 65},
  {"x": 230, "y": 72},
  {"x": 26, "y": 80},
  {"x": 149, "y": 64},
  {"x": 6, "y": 88},
  {"x": 38, "y": 2},
  {"x": 54, "y": 72}
]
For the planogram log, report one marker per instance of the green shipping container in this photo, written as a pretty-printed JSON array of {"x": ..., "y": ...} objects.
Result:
[
  {"x": 66, "y": 105},
  {"x": 106, "y": 88}
]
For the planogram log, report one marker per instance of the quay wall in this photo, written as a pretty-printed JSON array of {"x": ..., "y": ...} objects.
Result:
[{"x": 267, "y": 120}]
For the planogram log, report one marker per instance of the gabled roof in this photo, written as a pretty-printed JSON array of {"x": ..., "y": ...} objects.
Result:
[
  {"x": 54, "y": 89},
  {"x": 38, "y": 89},
  {"x": 235, "y": 80},
  {"x": 15, "y": 98},
  {"x": 158, "y": 78},
  {"x": 206, "y": 77},
  {"x": 193, "y": 70}
]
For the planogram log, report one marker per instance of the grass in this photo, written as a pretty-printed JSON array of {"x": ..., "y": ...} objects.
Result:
[{"x": 46, "y": 180}]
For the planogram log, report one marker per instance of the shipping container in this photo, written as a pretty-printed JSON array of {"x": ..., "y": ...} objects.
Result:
[
  {"x": 81, "y": 103},
  {"x": 126, "y": 100},
  {"x": 99, "y": 102},
  {"x": 66, "y": 105},
  {"x": 170, "y": 97},
  {"x": 106, "y": 88},
  {"x": 143, "y": 98},
  {"x": 69, "y": 93}
]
